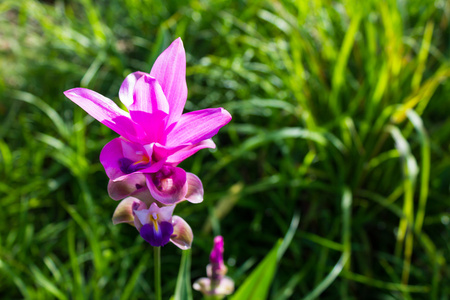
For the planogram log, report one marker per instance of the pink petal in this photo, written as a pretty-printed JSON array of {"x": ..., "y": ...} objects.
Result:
[
  {"x": 148, "y": 96},
  {"x": 182, "y": 235},
  {"x": 187, "y": 151},
  {"x": 127, "y": 88},
  {"x": 161, "y": 152},
  {"x": 168, "y": 185},
  {"x": 105, "y": 111},
  {"x": 196, "y": 126},
  {"x": 195, "y": 188},
  {"x": 114, "y": 153},
  {"x": 150, "y": 108},
  {"x": 170, "y": 71},
  {"x": 109, "y": 158}
]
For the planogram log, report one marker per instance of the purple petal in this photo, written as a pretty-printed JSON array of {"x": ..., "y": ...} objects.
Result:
[
  {"x": 105, "y": 111},
  {"x": 182, "y": 235},
  {"x": 132, "y": 184},
  {"x": 124, "y": 211},
  {"x": 168, "y": 185},
  {"x": 121, "y": 158},
  {"x": 183, "y": 153},
  {"x": 127, "y": 88},
  {"x": 196, "y": 126},
  {"x": 195, "y": 188},
  {"x": 143, "y": 215},
  {"x": 170, "y": 71},
  {"x": 157, "y": 237},
  {"x": 150, "y": 109}
]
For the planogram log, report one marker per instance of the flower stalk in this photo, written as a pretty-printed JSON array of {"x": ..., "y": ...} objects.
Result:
[{"x": 157, "y": 268}]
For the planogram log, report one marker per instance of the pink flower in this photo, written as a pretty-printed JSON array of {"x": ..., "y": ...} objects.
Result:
[
  {"x": 155, "y": 135},
  {"x": 218, "y": 268},
  {"x": 216, "y": 284}
]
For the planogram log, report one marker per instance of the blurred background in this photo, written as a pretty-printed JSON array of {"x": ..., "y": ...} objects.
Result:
[{"x": 340, "y": 118}]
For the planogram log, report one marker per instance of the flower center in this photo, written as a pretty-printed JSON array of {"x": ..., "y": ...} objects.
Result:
[
  {"x": 127, "y": 166},
  {"x": 154, "y": 219},
  {"x": 163, "y": 181}
]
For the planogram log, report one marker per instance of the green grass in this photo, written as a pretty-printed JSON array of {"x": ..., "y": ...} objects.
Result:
[{"x": 340, "y": 114}]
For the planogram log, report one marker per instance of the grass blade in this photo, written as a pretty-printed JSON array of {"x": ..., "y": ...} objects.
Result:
[
  {"x": 346, "y": 240},
  {"x": 183, "y": 290},
  {"x": 257, "y": 285}
]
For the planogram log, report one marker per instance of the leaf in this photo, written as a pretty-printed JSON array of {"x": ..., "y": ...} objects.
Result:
[
  {"x": 257, "y": 285},
  {"x": 183, "y": 290},
  {"x": 346, "y": 206},
  {"x": 46, "y": 109},
  {"x": 134, "y": 278},
  {"x": 46, "y": 283}
]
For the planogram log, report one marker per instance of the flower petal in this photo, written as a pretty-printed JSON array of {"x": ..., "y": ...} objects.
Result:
[
  {"x": 168, "y": 185},
  {"x": 216, "y": 256},
  {"x": 110, "y": 156},
  {"x": 189, "y": 150},
  {"x": 178, "y": 153},
  {"x": 164, "y": 213},
  {"x": 170, "y": 71},
  {"x": 148, "y": 96},
  {"x": 196, "y": 126},
  {"x": 225, "y": 287},
  {"x": 145, "y": 196},
  {"x": 127, "y": 88},
  {"x": 161, "y": 152},
  {"x": 124, "y": 211},
  {"x": 182, "y": 235},
  {"x": 202, "y": 285},
  {"x": 132, "y": 184},
  {"x": 121, "y": 158},
  {"x": 195, "y": 188},
  {"x": 157, "y": 237},
  {"x": 105, "y": 111},
  {"x": 150, "y": 108}
]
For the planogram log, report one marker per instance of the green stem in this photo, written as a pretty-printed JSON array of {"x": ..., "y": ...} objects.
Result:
[{"x": 157, "y": 267}]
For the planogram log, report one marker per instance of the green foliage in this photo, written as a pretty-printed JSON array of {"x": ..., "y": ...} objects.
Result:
[
  {"x": 257, "y": 285},
  {"x": 340, "y": 113},
  {"x": 183, "y": 290}
]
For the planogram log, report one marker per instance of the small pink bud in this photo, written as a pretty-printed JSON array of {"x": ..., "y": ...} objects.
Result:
[
  {"x": 217, "y": 284},
  {"x": 216, "y": 256}
]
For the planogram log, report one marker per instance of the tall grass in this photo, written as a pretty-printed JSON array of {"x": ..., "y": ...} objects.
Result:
[{"x": 340, "y": 114}]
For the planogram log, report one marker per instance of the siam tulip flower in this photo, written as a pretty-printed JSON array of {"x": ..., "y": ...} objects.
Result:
[
  {"x": 156, "y": 224},
  {"x": 155, "y": 135},
  {"x": 216, "y": 285}
]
